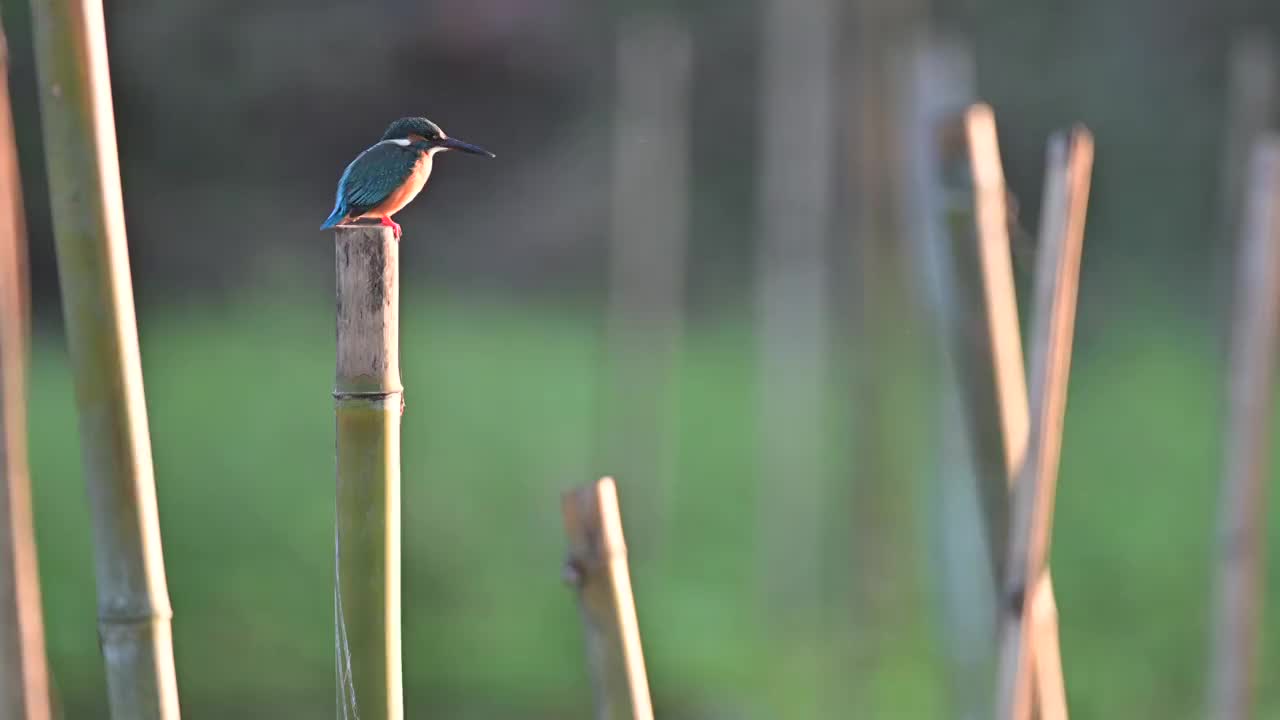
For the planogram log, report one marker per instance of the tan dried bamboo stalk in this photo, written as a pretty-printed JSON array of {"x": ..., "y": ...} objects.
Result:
[
  {"x": 1046, "y": 656},
  {"x": 597, "y": 567},
  {"x": 985, "y": 338},
  {"x": 368, "y": 400},
  {"x": 97, "y": 296},
  {"x": 24, "y": 677},
  {"x": 1066, "y": 195}
]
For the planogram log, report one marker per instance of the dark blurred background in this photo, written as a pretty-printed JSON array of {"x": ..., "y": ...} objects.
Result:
[{"x": 235, "y": 120}]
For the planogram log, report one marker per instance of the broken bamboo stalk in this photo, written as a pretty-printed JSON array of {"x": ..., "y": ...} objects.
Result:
[{"x": 597, "y": 568}]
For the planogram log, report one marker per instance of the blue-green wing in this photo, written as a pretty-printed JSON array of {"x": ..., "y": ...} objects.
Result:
[{"x": 374, "y": 175}]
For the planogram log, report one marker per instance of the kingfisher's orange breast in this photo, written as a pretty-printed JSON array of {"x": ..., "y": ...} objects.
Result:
[{"x": 403, "y": 195}]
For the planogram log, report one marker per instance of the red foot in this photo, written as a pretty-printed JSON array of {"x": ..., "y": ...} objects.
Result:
[{"x": 388, "y": 222}]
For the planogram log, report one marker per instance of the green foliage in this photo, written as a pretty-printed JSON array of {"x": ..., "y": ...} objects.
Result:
[{"x": 501, "y": 416}]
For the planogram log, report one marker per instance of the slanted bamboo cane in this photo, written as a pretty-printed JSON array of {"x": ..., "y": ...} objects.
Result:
[
  {"x": 8, "y": 135},
  {"x": 97, "y": 297},
  {"x": 1066, "y": 193},
  {"x": 1242, "y": 536},
  {"x": 597, "y": 567},
  {"x": 24, "y": 678},
  {"x": 368, "y": 401},
  {"x": 982, "y": 319}
]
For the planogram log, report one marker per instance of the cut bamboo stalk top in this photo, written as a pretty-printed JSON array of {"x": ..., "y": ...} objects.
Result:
[
  {"x": 598, "y": 569},
  {"x": 368, "y": 306},
  {"x": 981, "y": 313},
  {"x": 594, "y": 526},
  {"x": 997, "y": 265}
]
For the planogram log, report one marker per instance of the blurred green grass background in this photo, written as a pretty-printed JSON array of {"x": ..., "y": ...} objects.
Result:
[{"x": 501, "y": 417}]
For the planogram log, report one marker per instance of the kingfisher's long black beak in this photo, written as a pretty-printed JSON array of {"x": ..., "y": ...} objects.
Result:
[{"x": 466, "y": 147}]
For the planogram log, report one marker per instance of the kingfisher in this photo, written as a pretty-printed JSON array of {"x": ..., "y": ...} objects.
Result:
[{"x": 384, "y": 178}]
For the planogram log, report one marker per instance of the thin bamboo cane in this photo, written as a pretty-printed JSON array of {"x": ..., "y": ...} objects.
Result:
[
  {"x": 982, "y": 319},
  {"x": 597, "y": 567},
  {"x": 1066, "y": 193},
  {"x": 368, "y": 400},
  {"x": 1050, "y": 692},
  {"x": 93, "y": 265},
  {"x": 24, "y": 677},
  {"x": 9, "y": 135},
  {"x": 1242, "y": 536}
]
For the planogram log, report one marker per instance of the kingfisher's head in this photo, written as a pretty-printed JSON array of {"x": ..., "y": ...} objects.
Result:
[{"x": 428, "y": 137}]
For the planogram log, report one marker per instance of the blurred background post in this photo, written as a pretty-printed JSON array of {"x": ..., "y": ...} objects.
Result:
[
  {"x": 648, "y": 246},
  {"x": 1238, "y": 594}
]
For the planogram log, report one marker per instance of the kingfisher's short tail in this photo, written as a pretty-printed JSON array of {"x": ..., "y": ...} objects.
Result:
[{"x": 339, "y": 214}]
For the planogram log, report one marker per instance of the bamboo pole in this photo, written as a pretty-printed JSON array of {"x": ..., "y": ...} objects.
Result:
[
  {"x": 648, "y": 245},
  {"x": 982, "y": 318},
  {"x": 597, "y": 567},
  {"x": 24, "y": 677},
  {"x": 1066, "y": 195},
  {"x": 93, "y": 266},
  {"x": 1241, "y": 539},
  {"x": 368, "y": 400},
  {"x": 1050, "y": 690}
]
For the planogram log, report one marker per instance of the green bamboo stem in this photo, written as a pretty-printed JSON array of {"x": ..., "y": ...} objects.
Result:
[
  {"x": 97, "y": 297},
  {"x": 368, "y": 399},
  {"x": 24, "y": 676},
  {"x": 597, "y": 567}
]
